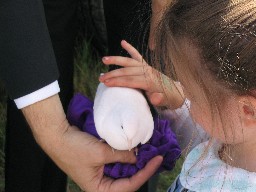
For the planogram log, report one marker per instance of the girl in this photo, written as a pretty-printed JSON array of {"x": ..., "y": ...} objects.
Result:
[{"x": 210, "y": 48}]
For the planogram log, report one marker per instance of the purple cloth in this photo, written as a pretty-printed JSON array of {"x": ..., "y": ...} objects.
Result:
[{"x": 163, "y": 141}]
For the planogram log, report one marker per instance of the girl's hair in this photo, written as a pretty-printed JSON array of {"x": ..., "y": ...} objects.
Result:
[{"x": 225, "y": 33}]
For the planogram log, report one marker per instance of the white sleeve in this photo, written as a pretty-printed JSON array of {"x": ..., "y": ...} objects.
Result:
[
  {"x": 188, "y": 133},
  {"x": 39, "y": 95}
]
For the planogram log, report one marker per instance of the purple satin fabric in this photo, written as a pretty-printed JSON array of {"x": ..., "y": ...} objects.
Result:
[{"x": 163, "y": 141}]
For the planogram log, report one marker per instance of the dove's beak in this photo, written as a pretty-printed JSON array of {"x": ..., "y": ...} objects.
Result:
[{"x": 129, "y": 144}]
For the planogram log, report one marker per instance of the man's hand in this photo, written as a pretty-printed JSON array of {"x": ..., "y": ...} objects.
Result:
[{"x": 79, "y": 154}]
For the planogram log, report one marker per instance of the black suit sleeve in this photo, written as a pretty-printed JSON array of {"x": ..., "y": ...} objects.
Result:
[{"x": 27, "y": 61}]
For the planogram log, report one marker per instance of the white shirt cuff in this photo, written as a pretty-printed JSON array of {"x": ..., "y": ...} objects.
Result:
[{"x": 39, "y": 95}]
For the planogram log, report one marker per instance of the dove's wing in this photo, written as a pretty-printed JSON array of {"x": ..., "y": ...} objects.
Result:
[
  {"x": 122, "y": 114},
  {"x": 141, "y": 118}
]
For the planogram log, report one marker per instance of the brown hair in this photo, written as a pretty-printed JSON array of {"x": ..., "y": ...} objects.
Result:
[
  {"x": 224, "y": 33},
  {"x": 223, "y": 30}
]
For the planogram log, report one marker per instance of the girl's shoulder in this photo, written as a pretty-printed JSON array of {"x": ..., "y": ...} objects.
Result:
[{"x": 203, "y": 170}]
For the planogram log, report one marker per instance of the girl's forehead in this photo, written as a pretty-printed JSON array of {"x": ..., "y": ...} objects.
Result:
[
  {"x": 191, "y": 68},
  {"x": 190, "y": 49},
  {"x": 187, "y": 57}
]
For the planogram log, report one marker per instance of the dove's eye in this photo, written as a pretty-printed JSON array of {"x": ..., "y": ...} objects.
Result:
[{"x": 122, "y": 127}]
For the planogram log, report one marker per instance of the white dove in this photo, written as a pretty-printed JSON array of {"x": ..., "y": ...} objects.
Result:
[{"x": 122, "y": 117}]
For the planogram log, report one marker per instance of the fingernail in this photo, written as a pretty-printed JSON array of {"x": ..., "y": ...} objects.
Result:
[{"x": 105, "y": 58}]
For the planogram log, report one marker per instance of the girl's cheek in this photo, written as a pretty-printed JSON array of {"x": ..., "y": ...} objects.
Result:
[
  {"x": 198, "y": 115},
  {"x": 194, "y": 113}
]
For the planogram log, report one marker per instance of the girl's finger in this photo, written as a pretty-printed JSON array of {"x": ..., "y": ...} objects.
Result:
[
  {"x": 137, "y": 82},
  {"x": 129, "y": 71},
  {"x": 132, "y": 51},
  {"x": 157, "y": 99},
  {"x": 121, "y": 61}
]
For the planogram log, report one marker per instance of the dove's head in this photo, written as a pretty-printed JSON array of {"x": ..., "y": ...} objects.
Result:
[{"x": 122, "y": 131}]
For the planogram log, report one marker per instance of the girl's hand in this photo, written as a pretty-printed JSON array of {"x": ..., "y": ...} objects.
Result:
[{"x": 136, "y": 73}]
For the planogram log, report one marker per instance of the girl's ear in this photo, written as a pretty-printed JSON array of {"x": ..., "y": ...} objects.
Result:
[{"x": 247, "y": 107}]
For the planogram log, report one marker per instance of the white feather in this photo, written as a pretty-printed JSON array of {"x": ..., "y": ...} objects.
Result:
[{"x": 122, "y": 117}]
